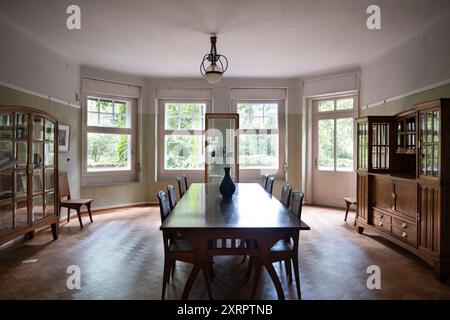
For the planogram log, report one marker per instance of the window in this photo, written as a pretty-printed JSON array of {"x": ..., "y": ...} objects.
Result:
[
  {"x": 181, "y": 138},
  {"x": 110, "y": 139},
  {"x": 336, "y": 104},
  {"x": 261, "y": 146}
]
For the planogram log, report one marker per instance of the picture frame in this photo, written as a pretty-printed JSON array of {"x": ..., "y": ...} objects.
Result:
[{"x": 63, "y": 137}]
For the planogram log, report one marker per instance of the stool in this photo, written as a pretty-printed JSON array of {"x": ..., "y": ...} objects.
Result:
[{"x": 348, "y": 203}]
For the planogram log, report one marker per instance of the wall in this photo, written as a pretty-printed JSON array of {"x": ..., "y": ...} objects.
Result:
[{"x": 418, "y": 62}]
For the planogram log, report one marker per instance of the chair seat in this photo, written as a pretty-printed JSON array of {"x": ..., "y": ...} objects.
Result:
[
  {"x": 181, "y": 245},
  {"x": 77, "y": 201},
  {"x": 281, "y": 245},
  {"x": 350, "y": 200}
]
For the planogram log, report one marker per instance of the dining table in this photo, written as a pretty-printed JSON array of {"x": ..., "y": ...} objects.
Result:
[{"x": 229, "y": 226}]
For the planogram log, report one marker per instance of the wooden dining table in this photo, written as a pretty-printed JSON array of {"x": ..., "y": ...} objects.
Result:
[{"x": 217, "y": 226}]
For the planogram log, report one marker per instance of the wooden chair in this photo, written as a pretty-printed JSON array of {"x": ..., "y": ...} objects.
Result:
[
  {"x": 69, "y": 203},
  {"x": 181, "y": 185},
  {"x": 264, "y": 180},
  {"x": 172, "y": 197},
  {"x": 284, "y": 250},
  {"x": 177, "y": 249},
  {"x": 269, "y": 184},
  {"x": 348, "y": 203},
  {"x": 186, "y": 186},
  {"x": 286, "y": 192}
]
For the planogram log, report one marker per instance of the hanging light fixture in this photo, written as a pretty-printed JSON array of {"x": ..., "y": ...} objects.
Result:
[{"x": 218, "y": 64}]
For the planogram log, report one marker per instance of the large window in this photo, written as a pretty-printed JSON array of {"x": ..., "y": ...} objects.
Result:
[
  {"x": 110, "y": 139},
  {"x": 181, "y": 125},
  {"x": 260, "y": 140}
]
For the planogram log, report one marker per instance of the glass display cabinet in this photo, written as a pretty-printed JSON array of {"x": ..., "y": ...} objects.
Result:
[
  {"x": 405, "y": 134},
  {"x": 221, "y": 146},
  {"x": 429, "y": 142},
  {"x": 28, "y": 172}
]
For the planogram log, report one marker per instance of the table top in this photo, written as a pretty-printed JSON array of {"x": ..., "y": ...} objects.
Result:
[{"x": 202, "y": 207}]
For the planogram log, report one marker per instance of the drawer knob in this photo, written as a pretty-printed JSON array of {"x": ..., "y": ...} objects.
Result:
[
  {"x": 404, "y": 225},
  {"x": 380, "y": 223},
  {"x": 404, "y": 234}
]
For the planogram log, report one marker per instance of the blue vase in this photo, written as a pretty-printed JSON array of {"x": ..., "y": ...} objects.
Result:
[{"x": 227, "y": 187}]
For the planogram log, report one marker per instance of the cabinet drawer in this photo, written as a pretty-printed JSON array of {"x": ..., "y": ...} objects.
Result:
[
  {"x": 406, "y": 235},
  {"x": 382, "y": 220},
  {"x": 403, "y": 224}
]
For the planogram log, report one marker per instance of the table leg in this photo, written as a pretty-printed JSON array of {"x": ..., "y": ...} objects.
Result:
[{"x": 274, "y": 277}]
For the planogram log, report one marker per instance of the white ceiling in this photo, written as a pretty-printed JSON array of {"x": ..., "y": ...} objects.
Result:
[{"x": 261, "y": 38}]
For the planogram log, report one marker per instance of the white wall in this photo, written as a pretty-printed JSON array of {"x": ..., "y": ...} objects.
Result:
[
  {"x": 420, "y": 62},
  {"x": 29, "y": 64}
]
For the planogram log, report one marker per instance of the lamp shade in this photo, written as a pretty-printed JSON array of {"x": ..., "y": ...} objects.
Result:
[{"x": 213, "y": 74}]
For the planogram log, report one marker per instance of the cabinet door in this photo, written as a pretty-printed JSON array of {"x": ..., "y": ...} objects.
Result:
[
  {"x": 405, "y": 198},
  {"x": 429, "y": 131},
  {"x": 429, "y": 217},
  {"x": 362, "y": 192},
  {"x": 363, "y": 140}
]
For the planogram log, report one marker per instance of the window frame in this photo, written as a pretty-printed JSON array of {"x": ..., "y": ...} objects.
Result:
[
  {"x": 117, "y": 176},
  {"x": 254, "y": 174},
  {"x": 170, "y": 174}
]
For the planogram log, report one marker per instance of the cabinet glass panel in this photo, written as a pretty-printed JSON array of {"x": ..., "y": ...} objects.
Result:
[
  {"x": 429, "y": 138},
  {"x": 21, "y": 213},
  {"x": 38, "y": 154},
  {"x": 49, "y": 156},
  {"x": 6, "y": 216},
  {"x": 49, "y": 130},
  {"x": 38, "y": 208},
  {"x": 21, "y": 130},
  {"x": 37, "y": 180},
  {"x": 362, "y": 145},
  {"x": 21, "y": 182},
  {"x": 6, "y": 185},
  {"x": 6, "y": 155},
  {"x": 38, "y": 128},
  {"x": 49, "y": 179},
  {"x": 21, "y": 154},
  {"x": 6, "y": 123},
  {"x": 50, "y": 204}
]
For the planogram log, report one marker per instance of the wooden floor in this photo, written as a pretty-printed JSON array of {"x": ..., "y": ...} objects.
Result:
[{"x": 121, "y": 257}]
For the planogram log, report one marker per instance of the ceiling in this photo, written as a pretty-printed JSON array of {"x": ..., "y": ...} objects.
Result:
[{"x": 260, "y": 38}]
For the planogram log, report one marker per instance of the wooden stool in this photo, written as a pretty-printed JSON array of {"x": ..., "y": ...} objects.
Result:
[{"x": 348, "y": 203}]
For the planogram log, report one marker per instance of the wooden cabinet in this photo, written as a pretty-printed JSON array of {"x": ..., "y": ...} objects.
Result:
[
  {"x": 408, "y": 202},
  {"x": 28, "y": 172}
]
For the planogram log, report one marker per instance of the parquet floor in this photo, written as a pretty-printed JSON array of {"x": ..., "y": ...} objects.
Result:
[{"x": 121, "y": 257}]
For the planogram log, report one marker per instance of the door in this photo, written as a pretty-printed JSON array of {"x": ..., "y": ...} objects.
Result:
[{"x": 333, "y": 176}]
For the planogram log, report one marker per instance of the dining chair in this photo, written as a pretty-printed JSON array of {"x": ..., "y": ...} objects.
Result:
[
  {"x": 176, "y": 249},
  {"x": 172, "y": 196},
  {"x": 286, "y": 192},
  {"x": 69, "y": 203},
  {"x": 186, "y": 186},
  {"x": 264, "y": 180},
  {"x": 269, "y": 184},
  {"x": 181, "y": 185},
  {"x": 285, "y": 250}
]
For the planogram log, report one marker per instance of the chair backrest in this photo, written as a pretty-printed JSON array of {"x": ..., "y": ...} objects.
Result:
[
  {"x": 172, "y": 196},
  {"x": 297, "y": 203},
  {"x": 63, "y": 183},
  {"x": 164, "y": 208},
  {"x": 181, "y": 186},
  {"x": 186, "y": 186},
  {"x": 286, "y": 192},
  {"x": 264, "y": 180},
  {"x": 269, "y": 184}
]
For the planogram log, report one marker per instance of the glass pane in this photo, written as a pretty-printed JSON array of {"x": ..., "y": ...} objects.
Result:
[
  {"x": 344, "y": 144},
  {"x": 6, "y": 217},
  {"x": 38, "y": 208},
  {"x": 436, "y": 160},
  {"x": 49, "y": 179},
  {"x": 21, "y": 182},
  {"x": 326, "y": 144},
  {"x": 422, "y": 160},
  {"x": 327, "y": 105},
  {"x": 375, "y": 158},
  {"x": 258, "y": 115},
  {"x": 6, "y": 122},
  {"x": 429, "y": 160},
  {"x": 21, "y": 126},
  {"x": 38, "y": 154},
  {"x": 37, "y": 180},
  {"x": 108, "y": 152},
  {"x": 436, "y": 126},
  {"x": 6, "y": 155},
  {"x": 21, "y": 213},
  {"x": 21, "y": 154},
  {"x": 344, "y": 104},
  {"x": 49, "y": 154},
  {"x": 184, "y": 116},
  {"x": 93, "y": 104},
  {"x": 49, "y": 130},
  {"x": 258, "y": 151},
  {"x": 106, "y": 120},
  {"x": 50, "y": 204},
  {"x": 6, "y": 185},
  {"x": 38, "y": 128},
  {"x": 121, "y": 115},
  {"x": 183, "y": 152}
]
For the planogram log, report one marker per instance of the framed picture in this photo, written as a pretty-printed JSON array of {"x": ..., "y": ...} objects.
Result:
[{"x": 63, "y": 137}]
